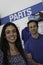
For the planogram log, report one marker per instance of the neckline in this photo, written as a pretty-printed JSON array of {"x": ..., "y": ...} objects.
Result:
[{"x": 36, "y": 38}]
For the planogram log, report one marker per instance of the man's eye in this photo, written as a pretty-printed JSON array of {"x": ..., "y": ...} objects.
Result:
[
  {"x": 34, "y": 26},
  {"x": 30, "y": 27}
]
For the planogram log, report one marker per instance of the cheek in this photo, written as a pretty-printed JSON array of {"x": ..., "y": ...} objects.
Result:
[
  {"x": 7, "y": 37},
  {"x": 30, "y": 30},
  {"x": 15, "y": 35}
]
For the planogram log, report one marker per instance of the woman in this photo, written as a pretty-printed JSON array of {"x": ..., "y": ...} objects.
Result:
[{"x": 13, "y": 53}]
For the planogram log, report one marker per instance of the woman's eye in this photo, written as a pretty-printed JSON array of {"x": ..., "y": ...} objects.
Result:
[
  {"x": 13, "y": 31},
  {"x": 7, "y": 32},
  {"x": 10, "y": 31}
]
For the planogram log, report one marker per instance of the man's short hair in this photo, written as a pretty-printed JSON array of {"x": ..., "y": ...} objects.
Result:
[{"x": 33, "y": 21}]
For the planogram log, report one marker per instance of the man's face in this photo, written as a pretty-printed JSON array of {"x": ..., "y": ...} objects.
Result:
[{"x": 33, "y": 28}]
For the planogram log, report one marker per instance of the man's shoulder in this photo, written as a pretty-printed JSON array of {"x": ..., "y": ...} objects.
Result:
[{"x": 41, "y": 35}]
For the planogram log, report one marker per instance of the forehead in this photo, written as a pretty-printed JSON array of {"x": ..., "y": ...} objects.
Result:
[
  {"x": 10, "y": 27},
  {"x": 32, "y": 23}
]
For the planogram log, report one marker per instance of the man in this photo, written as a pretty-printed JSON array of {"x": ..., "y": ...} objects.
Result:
[{"x": 34, "y": 46}]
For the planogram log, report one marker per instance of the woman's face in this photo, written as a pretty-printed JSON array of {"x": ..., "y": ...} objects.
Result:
[{"x": 11, "y": 34}]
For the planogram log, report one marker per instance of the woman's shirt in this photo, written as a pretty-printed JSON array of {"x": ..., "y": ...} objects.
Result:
[
  {"x": 13, "y": 59},
  {"x": 16, "y": 60}
]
